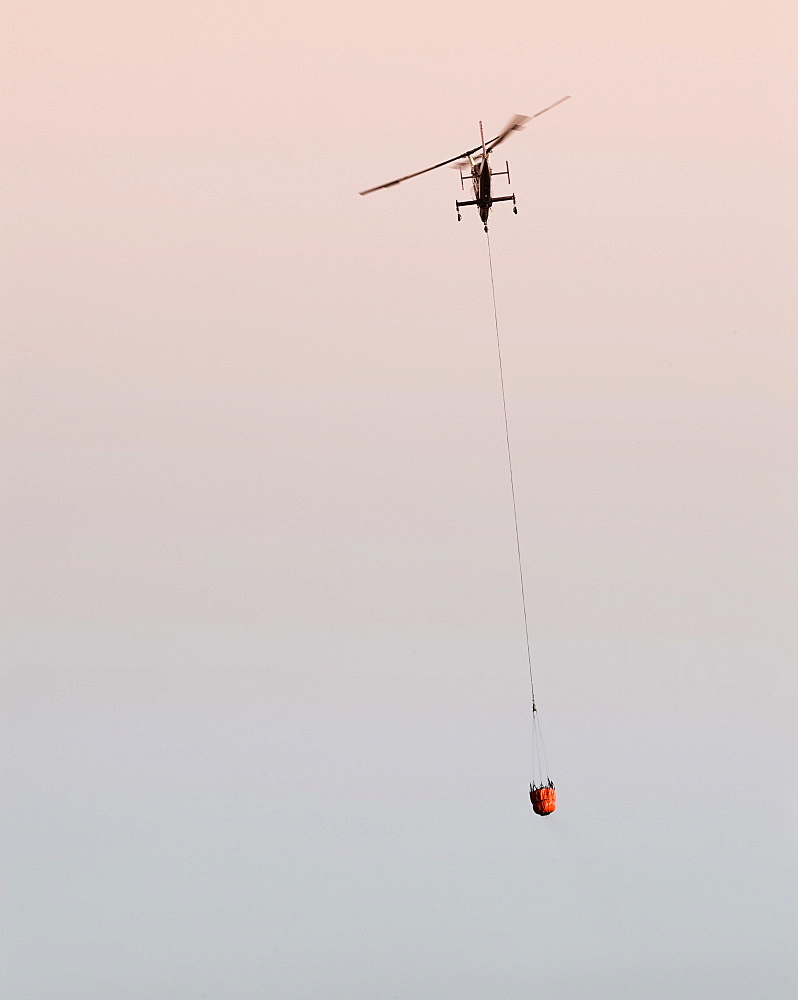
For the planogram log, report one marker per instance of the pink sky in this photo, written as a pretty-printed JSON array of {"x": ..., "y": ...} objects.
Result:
[{"x": 265, "y": 679}]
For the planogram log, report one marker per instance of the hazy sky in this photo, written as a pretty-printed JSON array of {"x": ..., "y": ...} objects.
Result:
[{"x": 265, "y": 723}]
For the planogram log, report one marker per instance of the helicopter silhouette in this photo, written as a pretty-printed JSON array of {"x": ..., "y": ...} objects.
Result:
[{"x": 479, "y": 172}]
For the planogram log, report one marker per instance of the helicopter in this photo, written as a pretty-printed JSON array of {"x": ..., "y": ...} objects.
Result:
[{"x": 477, "y": 163}]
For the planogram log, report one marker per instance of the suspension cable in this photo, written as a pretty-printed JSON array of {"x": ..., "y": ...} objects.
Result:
[
  {"x": 540, "y": 760},
  {"x": 512, "y": 481}
]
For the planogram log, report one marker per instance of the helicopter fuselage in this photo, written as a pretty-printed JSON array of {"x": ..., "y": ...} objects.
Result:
[
  {"x": 482, "y": 189},
  {"x": 481, "y": 184}
]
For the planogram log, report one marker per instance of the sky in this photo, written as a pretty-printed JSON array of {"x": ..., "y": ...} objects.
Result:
[{"x": 265, "y": 712}]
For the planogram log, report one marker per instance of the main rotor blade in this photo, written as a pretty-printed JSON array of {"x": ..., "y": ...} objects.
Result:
[
  {"x": 464, "y": 163},
  {"x": 537, "y": 114},
  {"x": 426, "y": 170},
  {"x": 517, "y": 123}
]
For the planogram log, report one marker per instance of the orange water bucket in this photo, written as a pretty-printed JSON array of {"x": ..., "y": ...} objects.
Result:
[{"x": 544, "y": 800}]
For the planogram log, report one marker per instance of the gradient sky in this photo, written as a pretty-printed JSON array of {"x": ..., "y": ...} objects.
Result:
[{"x": 265, "y": 712}]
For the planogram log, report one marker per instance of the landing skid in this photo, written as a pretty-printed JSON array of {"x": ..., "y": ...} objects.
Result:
[
  {"x": 509, "y": 197},
  {"x": 462, "y": 204}
]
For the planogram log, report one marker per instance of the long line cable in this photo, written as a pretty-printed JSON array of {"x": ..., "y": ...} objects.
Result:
[{"x": 512, "y": 480}]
